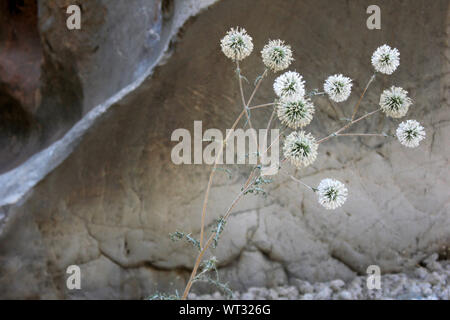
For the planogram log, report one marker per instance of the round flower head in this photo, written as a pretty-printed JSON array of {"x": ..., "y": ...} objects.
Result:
[
  {"x": 338, "y": 87},
  {"x": 385, "y": 59},
  {"x": 394, "y": 102},
  {"x": 332, "y": 193},
  {"x": 410, "y": 133},
  {"x": 289, "y": 85},
  {"x": 295, "y": 113},
  {"x": 237, "y": 44},
  {"x": 276, "y": 55},
  {"x": 300, "y": 148}
]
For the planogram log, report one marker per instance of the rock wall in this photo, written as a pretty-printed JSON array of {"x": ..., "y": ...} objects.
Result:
[{"x": 106, "y": 195}]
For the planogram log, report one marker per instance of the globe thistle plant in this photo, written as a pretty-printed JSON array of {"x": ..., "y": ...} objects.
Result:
[
  {"x": 394, "y": 102},
  {"x": 332, "y": 193},
  {"x": 410, "y": 133},
  {"x": 295, "y": 113},
  {"x": 276, "y": 55},
  {"x": 300, "y": 148},
  {"x": 295, "y": 109},
  {"x": 237, "y": 44},
  {"x": 385, "y": 59},
  {"x": 338, "y": 87},
  {"x": 289, "y": 85}
]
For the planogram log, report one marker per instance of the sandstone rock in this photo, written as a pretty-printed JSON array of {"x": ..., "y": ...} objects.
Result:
[
  {"x": 303, "y": 286},
  {"x": 345, "y": 295},
  {"x": 394, "y": 286},
  {"x": 337, "y": 284},
  {"x": 323, "y": 294}
]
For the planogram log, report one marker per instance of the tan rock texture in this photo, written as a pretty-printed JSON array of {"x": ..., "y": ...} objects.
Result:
[{"x": 111, "y": 203}]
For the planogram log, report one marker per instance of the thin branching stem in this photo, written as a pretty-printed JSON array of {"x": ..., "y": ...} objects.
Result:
[
  {"x": 256, "y": 87},
  {"x": 245, "y": 105},
  {"x": 348, "y": 125},
  {"x": 355, "y": 110},
  {"x": 315, "y": 93},
  {"x": 241, "y": 88},
  {"x": 301, "y": 182},
  {"x": 247, "y": 185},
  {"x": 269, "y": 123},
  {"x": 209, "y": 242},
  {"x": 362, "y": 134},
  {"x": 262, "y": 105},
  {"x": 273, "y": 142},
  {"x": 211, "y": 176}
]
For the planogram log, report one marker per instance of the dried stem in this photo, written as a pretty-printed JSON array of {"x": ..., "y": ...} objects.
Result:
[
  {"x": 256, "y": 87},
  {"x": 355, "y": 110},
  {"x": 211, "y": 176},
  {"x": 277, "y": 138},
  {"x": 362, "y": 134},
  {"x": 262, "y": 105},
  {"x": 245, "y": 105},
  {"x": 270, "y": 120},
  {"x": 348, "y": 125},
  {"x": 209, "y": 242},
  {"x": 241, "y": 88},
  {"x": 301, "y": 182}
]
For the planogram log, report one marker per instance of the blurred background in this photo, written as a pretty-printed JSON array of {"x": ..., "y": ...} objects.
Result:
[{"x": 86, "y": 118}]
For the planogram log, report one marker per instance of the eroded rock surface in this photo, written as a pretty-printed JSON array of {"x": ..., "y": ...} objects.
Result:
[
  {"x": 110, "y": 205},
  {"x": 427, "y": 282}
]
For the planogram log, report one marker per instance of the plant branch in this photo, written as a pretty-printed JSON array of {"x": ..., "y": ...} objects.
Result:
[
  {"x": 245, "y": 105},
  {"x": 348, "y": 125},
  {"x": 355, "y": 110},
  {"x": 208, "y": 244},
  {"x": 301, "y": 182},
  {"x": 262, "y": 105},
  {"x": 256, "y": 87},
  {"x": 362, "y": 134},
  {"x": 247, "y": 185},
  {"x": 276, "y": 139},
  {"x": 241, "y": 88},
  {"x": 211, "y": 176}
]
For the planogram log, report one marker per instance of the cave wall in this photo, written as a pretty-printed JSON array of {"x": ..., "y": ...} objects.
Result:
[{"x": 57, "y": 75}]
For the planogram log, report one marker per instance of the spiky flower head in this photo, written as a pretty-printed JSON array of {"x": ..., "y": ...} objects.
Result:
[
  {"x": 410, "y": 133},
  {"x": 295, "y": 113},
  {"x": 332, "y": 193},
  {"x": 276, "y": 55},
  {"x": 338, "y": 87},
  {"x": 237, "y": 44},
  {"x": 289, "y": 85},
  {"x": 300, "y": 148},
  {"x": 394, "y": 102},
  {"x": 385, "y": 59}
]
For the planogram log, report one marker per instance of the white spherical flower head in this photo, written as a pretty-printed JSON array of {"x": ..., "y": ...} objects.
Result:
[
  {"x": 394, "y": 102},
  {"x": 338, "y": 87},
  {"x": 237, "y": 44},
  {"x": 385, "y": 59},
  {"x": 295, "y": 113},
  {"x": 332, "y": 193},
  {"x": 276, "y": 55},
  {"x": 410, "y": 133},
  {"x": 300, "y": 149},
  {"x": 289, "y": 85}
]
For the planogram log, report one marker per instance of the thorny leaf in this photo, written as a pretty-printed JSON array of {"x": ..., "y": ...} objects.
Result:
[{"x": 178, "y": 235}]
